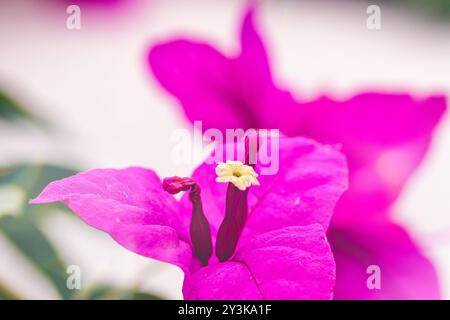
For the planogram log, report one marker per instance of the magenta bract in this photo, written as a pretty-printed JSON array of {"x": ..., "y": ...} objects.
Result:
[
  {"x": 282, "y": 251},
  {"x": 384, "y": 136}
]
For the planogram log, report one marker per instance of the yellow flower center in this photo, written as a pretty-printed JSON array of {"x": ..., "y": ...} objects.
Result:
[{"x": 239, "y": 174}]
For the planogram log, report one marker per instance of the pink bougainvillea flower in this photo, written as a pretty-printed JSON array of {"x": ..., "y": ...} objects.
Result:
[
  {"x": 266, "y": 240},
  {"x": 384, "y": 137},
  {"x": 404, "y": 273}
]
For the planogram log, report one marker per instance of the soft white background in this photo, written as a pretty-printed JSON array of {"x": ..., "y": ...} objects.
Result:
[{"x": 94, "y": 87}]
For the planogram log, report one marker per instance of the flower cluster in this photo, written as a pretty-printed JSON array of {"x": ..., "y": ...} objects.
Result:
[
  {"x": 384, "y": 136},
  {"x": 265, "y": 242},
  {"x": 237, "y": 234}
]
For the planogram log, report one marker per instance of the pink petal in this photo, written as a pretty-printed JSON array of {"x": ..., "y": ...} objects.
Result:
[
  {"x": 223, "y": 92},
  {"x": 129, "y": 205},
  {"x": 310, "y": 180},
  {"x": 223, "y": 281},
  {"x": 289, "y": 263},
  {"x": 201, "y": 78},
  {"x": 384, "y": 137},
  {"x": 404, "y": 272},
  {"x": 252, "y": 65}
]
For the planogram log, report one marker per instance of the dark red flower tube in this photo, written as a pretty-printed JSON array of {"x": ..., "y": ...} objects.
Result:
[
  {"x": 236, "y": 208},
  {"x": 199, "y": 229}
]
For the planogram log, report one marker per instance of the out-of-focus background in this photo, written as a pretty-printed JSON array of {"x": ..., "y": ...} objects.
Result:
[{"x": 77, "y": 99}]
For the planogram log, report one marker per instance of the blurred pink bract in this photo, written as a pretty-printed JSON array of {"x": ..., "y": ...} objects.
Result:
[{"x": 384, "y": 136}]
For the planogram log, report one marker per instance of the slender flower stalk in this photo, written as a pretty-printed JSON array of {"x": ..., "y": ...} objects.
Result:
[
  {"x": 236, "y": 207},
  {"x": 236, "y": 211},
  {"x": 199, "y": 227}
]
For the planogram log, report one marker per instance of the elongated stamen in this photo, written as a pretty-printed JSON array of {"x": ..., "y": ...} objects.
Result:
[
  {"x": 240, "y": 175},
  {"x": 252, "y": 144},
  {"x": 236, "y": 207},
  {"x": 199, "y": 229},
  {"x": 235, "y": 217}
]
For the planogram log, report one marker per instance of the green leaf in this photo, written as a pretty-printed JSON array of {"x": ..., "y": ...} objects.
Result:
[
  {"x": 23, "y": 230},
  {"x": 437, "y": 8},
  {"x": 8, "y": 294},
  {"x": 11, "y": 110},
  {"x": 136, "y": 295},
  {"x": 33, "y": 244},
  {"x": 33, "y": 177},
  {"x": 107, "y": 292}
]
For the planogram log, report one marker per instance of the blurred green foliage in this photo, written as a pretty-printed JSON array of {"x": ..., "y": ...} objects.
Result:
[
  {"x": 106, "y": 292},
  {"x": 437, "y": 8},
  {"x": 11, "y": 110},
  {"x": 19, "y": 222},
  {"x": 33, "y": 244},
  {"x": 21, "y": 227}
]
